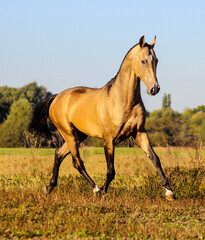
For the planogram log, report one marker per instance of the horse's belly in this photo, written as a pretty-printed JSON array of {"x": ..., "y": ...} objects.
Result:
[
  {"x": 87, "y": 127},
  {"x": 85, "y": 120}
]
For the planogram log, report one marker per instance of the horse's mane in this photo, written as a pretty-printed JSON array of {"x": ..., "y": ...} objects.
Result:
[{"x": 109, "y": 85}]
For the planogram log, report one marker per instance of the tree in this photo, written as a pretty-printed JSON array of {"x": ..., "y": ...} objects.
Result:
[
  {"x": 164, "y": 127},
  {"x": 15, "y": 111},
  {"x": 166, "y": 101},
  {"x": 32, "y": 93},
  {"x": 9, "y": 95},
  {"x": 12, "y": 130},
  {"x": 199, "y": 109},
  {"x": 193, "y": 127}
]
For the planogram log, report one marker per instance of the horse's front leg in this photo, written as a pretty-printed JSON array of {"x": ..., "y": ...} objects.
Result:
[
  {"x": 143, "y": 140},
  {"x": 109, "y": 149}
]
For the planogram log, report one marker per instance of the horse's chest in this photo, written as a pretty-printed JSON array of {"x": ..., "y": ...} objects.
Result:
[{"x": 131, "y": 126}]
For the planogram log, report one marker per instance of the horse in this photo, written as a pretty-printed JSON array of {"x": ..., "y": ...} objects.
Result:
[{"x": 113, "y": 113}]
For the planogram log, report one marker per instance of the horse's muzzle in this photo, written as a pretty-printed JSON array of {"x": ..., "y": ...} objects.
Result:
[{"x": 154, "y": 90}]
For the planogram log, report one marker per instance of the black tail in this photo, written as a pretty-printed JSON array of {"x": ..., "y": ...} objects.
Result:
[{"x": 40, "y": 115}]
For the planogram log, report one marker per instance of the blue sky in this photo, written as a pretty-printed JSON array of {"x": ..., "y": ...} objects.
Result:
[{"x": 61, "y": 44}]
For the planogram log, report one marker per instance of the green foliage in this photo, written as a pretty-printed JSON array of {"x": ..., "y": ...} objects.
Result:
[
  {"x": 163, "y": 127},
  {"x": 199, "y": 109},
  {"x": 193, "y": 127},
  {"x": 16, "y": 106},
  {"x": 166, "y": 101},
  {"x": 12, "y": 130},
  {"x": 8, "y": 95},
  {"x": 167, "y": 127}
]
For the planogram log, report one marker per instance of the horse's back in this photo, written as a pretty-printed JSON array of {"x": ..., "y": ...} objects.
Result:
[{"x": 77, "y": 106}]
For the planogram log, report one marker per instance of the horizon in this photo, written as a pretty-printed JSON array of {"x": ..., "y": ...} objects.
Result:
[{"x": 160, "y": 108}]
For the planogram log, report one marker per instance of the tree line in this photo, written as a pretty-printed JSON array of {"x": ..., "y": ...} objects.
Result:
[{"x": 165, "y": 126}]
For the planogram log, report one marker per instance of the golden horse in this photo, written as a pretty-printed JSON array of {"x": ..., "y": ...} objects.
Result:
[{"x": 113, "y": 113}]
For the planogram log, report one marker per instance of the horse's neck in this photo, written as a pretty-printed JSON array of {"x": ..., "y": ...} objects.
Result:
[
  {"x": 125, "y": 87},
  {"x": 128, "y": 86}
]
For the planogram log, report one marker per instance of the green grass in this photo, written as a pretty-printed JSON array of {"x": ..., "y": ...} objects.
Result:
[
  {"x": 134, "y": 207},
  {"x": 26, "y": 151},
  {"x": 99, "y": 150},
  {"x": 50, "y": 151}
]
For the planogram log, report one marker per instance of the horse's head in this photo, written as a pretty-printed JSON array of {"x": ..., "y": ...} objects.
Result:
[{"x": 144, "y": 64}]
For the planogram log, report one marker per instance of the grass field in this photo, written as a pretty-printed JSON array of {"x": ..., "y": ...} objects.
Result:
[{"x": 134, "y": 208}]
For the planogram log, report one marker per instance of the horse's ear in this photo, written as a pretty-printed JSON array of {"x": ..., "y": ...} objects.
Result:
[
  {"x": 141, "y": 42},
  {"x": 153, "y": 42}
]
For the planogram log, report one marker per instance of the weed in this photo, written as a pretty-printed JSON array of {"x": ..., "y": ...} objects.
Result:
[{"x": 134, "y": 207}]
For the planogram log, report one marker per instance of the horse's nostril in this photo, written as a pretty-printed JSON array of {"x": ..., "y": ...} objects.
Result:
[{"x": 152, "y": 91}]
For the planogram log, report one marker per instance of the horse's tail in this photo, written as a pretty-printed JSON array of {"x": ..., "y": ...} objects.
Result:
[{"x": 40, "y": 115}]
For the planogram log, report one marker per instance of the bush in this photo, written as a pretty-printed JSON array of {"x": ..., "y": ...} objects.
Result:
[{"x": 12, "y": 130}]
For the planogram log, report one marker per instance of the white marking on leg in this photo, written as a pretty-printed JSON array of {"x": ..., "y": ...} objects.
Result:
[
  {"x": 45, "y": 190},
  {"x": 169, "y": 195},
  {"x": 169, "y": 192},
  {"x": 96, "y": 189}
]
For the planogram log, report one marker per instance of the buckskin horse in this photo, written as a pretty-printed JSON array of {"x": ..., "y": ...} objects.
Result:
[{"x": 113, "y": 113}]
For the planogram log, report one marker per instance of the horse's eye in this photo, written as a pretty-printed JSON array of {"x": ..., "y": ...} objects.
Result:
[{"x": 143, "y": 62}]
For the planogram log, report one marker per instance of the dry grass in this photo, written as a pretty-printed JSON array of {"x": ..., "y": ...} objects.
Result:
[
  {"x": 127, "y": 160},
  {"x": 134, "y": 208}
]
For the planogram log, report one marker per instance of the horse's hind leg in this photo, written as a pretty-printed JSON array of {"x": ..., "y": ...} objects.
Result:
[
  {"x": 71, "y": 138},
  {"x": 143, "y": 140},
  {"x": 60, "y": 154},
  {"x": 79, "y": 165}
]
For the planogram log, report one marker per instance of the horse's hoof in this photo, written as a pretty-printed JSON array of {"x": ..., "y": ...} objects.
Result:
[
  {"x": 170, "y": 195},
  {"x": 46, "y": 190},
  {"x": 97, "y": 192}
]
